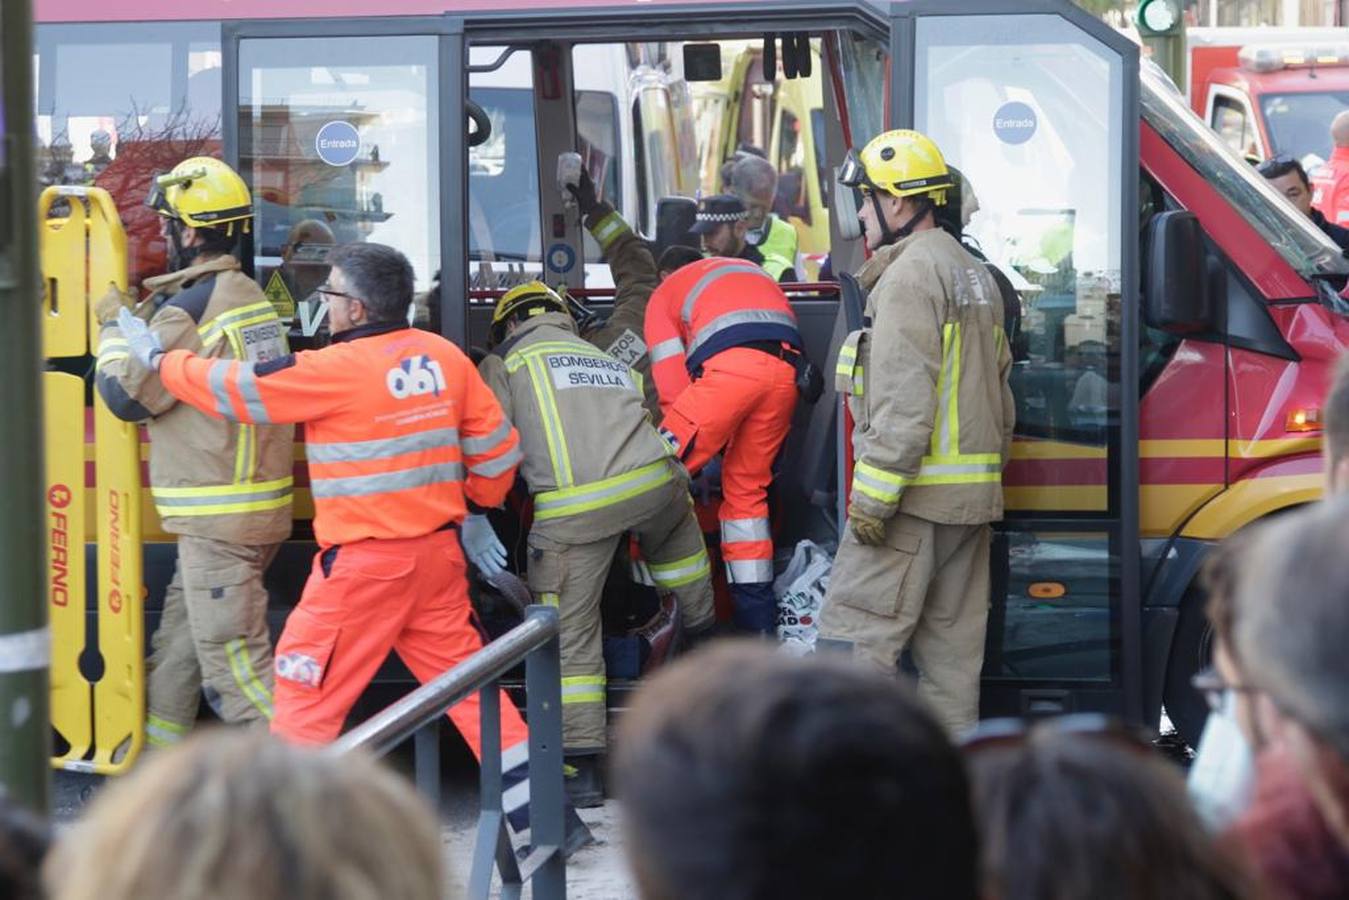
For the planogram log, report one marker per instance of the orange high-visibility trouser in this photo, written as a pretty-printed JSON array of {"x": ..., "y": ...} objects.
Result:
[
  {"x": 410, "y": 596},
  {"x": 743, "y": 402}
]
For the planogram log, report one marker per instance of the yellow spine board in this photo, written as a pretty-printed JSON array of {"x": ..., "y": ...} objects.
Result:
[
  {"x": 72, "y": 697},
  {"x": 107, "y": 253},
  {"x": 62, "y": 250}
]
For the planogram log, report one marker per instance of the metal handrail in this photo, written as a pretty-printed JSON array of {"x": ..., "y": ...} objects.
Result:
[
  {"x": 419, "y": 714},
  {"x": 400, "y": 720}
]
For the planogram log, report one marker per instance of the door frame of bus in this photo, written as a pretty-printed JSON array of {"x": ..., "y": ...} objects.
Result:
[
  {"x": 1122, "y": 447},
  {"x": 452, "y": 76}
]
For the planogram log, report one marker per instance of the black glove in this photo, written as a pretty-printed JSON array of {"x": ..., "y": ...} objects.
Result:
[{"x": 584, "y": 192}]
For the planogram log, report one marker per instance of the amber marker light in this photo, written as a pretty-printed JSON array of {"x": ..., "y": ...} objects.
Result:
[
  {"x": 1047, "y": 590},
  {"x": 1304, "y": 420}
]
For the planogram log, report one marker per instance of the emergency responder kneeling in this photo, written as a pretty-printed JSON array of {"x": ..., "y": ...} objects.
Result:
[
  {"x": 224, "y": 488},
  {"x": 726, "y": 353},
  {"x": 934, "y": 415},
  {"x": 597, "y": 469},
  {"x": 403, "y": 439}
]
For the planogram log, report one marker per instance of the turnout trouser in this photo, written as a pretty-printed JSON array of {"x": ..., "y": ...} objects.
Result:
[
  {"x": 743, "y": 404},
  {"x": 212, "y": 637},
  {"x": 926, "y": 588},
  {"x": 571, "y": 576}
]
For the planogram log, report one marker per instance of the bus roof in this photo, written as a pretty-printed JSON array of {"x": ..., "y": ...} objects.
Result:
[{"x": 186, "y": 10}]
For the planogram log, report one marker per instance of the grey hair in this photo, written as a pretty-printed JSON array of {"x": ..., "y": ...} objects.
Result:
[
  {"x": 752, "y": 179},
  {"x": 379, "y": 276},
  {"x": 1292, "y": 618}
]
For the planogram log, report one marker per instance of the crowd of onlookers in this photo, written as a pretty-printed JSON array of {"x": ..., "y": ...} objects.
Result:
[{"x": 746, "y": 774}]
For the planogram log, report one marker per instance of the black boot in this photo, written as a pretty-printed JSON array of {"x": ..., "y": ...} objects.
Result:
[{"x": 583, "y": 775}]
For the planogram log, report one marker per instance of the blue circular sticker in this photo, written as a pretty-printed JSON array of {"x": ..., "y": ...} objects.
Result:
[
  {"x": 337, "y": 143},
  {"x": 1014, "y": 123},
  {"x": 561, "y": 258}
]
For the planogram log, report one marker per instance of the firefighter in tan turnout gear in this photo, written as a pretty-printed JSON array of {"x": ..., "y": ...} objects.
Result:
[
  {"x": 933, "y": 416},
  {"x": 597, "y": 469},
  {"x": 224, "y": 489}
]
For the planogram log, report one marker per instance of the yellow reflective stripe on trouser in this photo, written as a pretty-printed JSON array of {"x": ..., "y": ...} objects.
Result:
[
  {"x": 599, "y": 494},
  {"x": 247, "y": 680},
  {"x": 681, "y": 571},
  {"x": 946, "y": 430},
  {"x": 553, "y": 434},
  {"x": 215, "y": 500},
  {"x": 583, "y": 689},
  {"x": 251, "y": 314},
  {"x": 608, "y": 229},
  {"x": 162, "y": 732},
  {"x": 548, "y": 598},
  {"x": 877, "y": 483}
]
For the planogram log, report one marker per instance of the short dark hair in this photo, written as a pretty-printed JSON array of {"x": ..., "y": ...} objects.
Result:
[
  {"x": 748, "y": 775},
  {"x": 1280, "y": 166},
  {"x": 677, "y": 257},
  {"x": 1337, "y": 413},
  {"x": 1078, "y": 816},
  {"x": 379, "y": 276},
  {"x": 216, "y": 240}
]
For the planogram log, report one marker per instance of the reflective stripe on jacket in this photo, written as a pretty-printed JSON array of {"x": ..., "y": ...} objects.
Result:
[
  {"x": 226, "y": 480},
  {"x": 399, "y": 427},
  {"x": 587, "y": 442},
  {"x": 932, "y": 409},
  {"x": 709, "y": 306}
]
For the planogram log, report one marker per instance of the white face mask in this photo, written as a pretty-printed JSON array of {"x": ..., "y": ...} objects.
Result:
[{"x": 1222, "y": 776}]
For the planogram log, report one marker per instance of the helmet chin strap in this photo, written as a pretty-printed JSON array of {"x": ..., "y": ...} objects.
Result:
[{"x": 892, "y": 235}]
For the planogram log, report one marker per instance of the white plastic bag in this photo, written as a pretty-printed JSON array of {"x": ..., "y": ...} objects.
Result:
[{"x": 800, "y": 593}]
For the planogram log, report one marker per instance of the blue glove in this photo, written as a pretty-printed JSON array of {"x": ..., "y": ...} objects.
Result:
[
  {"x": 481, "y": 545},
  {"x": 141, "y": 342}
]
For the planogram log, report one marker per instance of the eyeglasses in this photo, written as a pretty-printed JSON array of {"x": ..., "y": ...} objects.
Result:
[
  {"x": 324, "y": 290},
  {"x": 1214, "y": 689},
  {"x": 1006, "y": 733}
]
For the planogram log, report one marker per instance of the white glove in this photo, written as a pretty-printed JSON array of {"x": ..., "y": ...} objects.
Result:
[
  {"x": 141, "y": 342},
  {"x": 482, "y": 546}
]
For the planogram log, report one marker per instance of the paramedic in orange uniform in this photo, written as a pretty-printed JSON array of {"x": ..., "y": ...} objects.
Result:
[
  {"x": 403, "y": 440},
  {"x": 723, "y": 343}
]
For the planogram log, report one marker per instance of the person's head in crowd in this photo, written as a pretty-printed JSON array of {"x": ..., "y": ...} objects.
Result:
[
  {"x": 754, "y": 180},
  {"x": 722, "y": 224},
  {"x": 368, "y": 284},
  {"x": 1068, "y": 816},
  {"x": 1339, "y": 129},
  {"x": 1287, "y": 176},
  {"x": 1335, "y": 446},
  {"x": 1220, "y": 577},
  {"x": 24, "y": 839},
  {"x": 676, "y": 257},
  {"x": 1291, "y": 632},
  {"x": 749, "y": 775},
  {"x": 241, "y": 816}
]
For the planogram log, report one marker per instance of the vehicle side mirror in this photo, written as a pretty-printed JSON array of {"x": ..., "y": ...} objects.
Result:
[
  {"x": 1176, "y": 295},
  {"x": 674, "y": 218},
  {"x": 702, "y": 62},
  {"x": 845, "y": 210}
]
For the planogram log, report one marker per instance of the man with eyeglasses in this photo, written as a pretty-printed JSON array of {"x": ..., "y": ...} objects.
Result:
[
  {"x": 223, "y": 488},
  {"x": 1287, "y": 176}
]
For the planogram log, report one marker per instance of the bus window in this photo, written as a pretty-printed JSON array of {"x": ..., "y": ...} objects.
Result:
[
  {"x": 503, "y": 173},
  {"x": 865, "y": 66},
  {"x": 597, "y": 140},
  {"x": 791, "y": 197},
  {"x": 118, "y": 103},
  {"x": 1233, "y": 124},
  {"x": 339, "y": 141}
]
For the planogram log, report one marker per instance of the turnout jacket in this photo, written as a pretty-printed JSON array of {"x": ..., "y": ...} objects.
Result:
[
  {"x": 635, "y": 278},
  {"x": 400, "y": 431},
  {"x": 588, "y": 444},
  {"x": 230, "y": 481},
  {"x": 927, "y": 379}
]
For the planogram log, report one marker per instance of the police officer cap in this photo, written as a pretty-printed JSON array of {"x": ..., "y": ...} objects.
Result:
[{"x": 720, "y": 209}]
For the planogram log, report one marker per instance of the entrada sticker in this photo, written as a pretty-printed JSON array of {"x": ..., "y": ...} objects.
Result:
[
  {"x": 1014, "y": 123},
  {"x": 338, "y": 143}
]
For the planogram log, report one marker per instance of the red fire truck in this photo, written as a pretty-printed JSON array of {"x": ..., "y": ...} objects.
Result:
[{"x": 1180, "y": 319}]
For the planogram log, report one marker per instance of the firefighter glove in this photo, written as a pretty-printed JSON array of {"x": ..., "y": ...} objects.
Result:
[
  {"x": 141, "y": 342},
  {"x": 107, "y": 306},
  {"x": 867, "y": 529},
  {"x": 481, "y": 545},
  {"x": 584, "y": 192}
]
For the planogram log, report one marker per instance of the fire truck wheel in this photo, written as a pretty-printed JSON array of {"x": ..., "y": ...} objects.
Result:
[{"x": 1191, "y": 651}]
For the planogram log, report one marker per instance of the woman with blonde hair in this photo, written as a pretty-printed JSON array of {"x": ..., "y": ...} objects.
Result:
[{"x": 241, "y": 815}]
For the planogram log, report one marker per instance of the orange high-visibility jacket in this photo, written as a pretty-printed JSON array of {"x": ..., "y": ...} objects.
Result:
[
  {"x": 399, "y": 427},
  {"x": 709, "y": 306}
]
